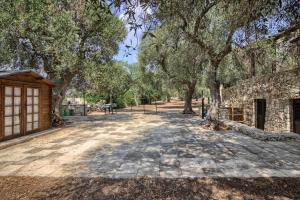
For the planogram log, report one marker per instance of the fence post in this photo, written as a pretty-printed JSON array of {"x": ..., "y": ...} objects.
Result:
[
  {"x": 84, "y": 109},
  {"x": 202, "y": 108},
  {"x": 202, "y": 105}
]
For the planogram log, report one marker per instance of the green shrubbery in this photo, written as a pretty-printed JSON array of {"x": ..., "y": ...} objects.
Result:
[{"x": 93, "y": 98}]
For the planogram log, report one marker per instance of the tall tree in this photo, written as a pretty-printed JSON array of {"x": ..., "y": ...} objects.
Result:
[
  {"x": 212, "y": 25},
  {"x": 58, "y": 37},
  {"x": 181, "y": 61}
]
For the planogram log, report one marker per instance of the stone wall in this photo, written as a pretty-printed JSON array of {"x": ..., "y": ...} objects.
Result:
[{"x": 278, "y": 89}]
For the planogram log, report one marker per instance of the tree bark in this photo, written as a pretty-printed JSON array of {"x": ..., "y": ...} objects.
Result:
[
  {"x": 252, "y": 63},
  {"x": 215, "y": 91},
  {"x": 60, "y": 93},
  {"x": 168, "y": 98},
  {"x": 274, "y": 64},
  {"x": 188, "y": 109}
]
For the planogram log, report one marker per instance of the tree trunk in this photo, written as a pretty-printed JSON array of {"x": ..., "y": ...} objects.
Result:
[
  {"x": 168, "y": 98},
  {"x": 252, "y": 63},
  {"x": 60, "y": 93},
  {"x": 136, "y": 100},
  {"x": 110, "y": 97},
  {"x": 59, "y": 97},
  {"x": 274, "y": 62},
  {"x": 188, "y": 109},
  {"x": 215, "y": 91}
]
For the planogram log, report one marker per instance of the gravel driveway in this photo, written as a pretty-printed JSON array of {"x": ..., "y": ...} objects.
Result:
[{"x": 164, "y": 145}]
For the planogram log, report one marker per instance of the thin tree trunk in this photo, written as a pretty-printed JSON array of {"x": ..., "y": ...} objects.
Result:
[
  {"x": 274, "y": 62},
  {"x": 136, "y": 100},
  {"x": 168, "y": 98},
  {"x": 188, "y": 109},
  {"x": 110, "y": 97},
  {"x": 252, "y": 63}
]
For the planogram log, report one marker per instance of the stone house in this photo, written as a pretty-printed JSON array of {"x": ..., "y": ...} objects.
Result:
[{"x": 270, "y": 102}]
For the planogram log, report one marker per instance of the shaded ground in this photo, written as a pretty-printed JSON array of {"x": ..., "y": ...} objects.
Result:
[
  {"x": 161, "y": 106},
  {"x": 148, "y": 156},
  {"x": 133, "y": 145},
  {"x": 149, "y": 188}
]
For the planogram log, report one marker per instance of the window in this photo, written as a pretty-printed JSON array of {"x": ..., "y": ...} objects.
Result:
[
  {"x": 236, "y": 114},
  {"x": 12, "y": 110},
  {"x": 32, "y": 108}
]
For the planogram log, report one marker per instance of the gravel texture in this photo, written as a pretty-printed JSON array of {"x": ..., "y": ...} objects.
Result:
[{"x": 149, "y": 188}]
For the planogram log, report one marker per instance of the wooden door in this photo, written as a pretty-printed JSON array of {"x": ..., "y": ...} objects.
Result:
[
  {"x": 296, "y": 115},
  {"x": 32, "y": 109},
  {"x": 12, "y": 111},
  {"x": 260, "y": 113}
]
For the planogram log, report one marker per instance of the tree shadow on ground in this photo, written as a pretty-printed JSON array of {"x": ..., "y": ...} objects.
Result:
[
  {"x": 155, "y": 152},
  {"x": 145, "y": 188}
]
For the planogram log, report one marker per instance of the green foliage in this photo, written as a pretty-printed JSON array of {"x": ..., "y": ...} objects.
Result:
[
  {"x": 111, "y": 80},
  {"x": 59, "y": 37},
  {"x": 120, "y": 101},
  {"x": 129, "y": 98},
  {"x": 175, "y": 59},
  {"x": 195, "y": 44},
  {"x": 146, "y": 83},
  {"x": 93, "y": 98}
]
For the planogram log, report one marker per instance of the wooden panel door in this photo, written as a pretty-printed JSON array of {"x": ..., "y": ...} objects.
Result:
[
  {"x": 296, "y": 116},
  {"x": 32, "y": 109},
  {"x": 12, "y": 111},
  {"x": 260, "y": 113}
]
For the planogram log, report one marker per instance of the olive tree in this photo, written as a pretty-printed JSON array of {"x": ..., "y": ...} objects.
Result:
[{"x": 172, "y": 54}]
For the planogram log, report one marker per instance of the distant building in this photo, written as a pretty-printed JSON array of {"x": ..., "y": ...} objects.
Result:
[{"x": 26, "y": 103}]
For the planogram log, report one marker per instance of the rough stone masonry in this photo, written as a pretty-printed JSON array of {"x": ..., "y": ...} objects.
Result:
[{"x": 277, "y": 89}]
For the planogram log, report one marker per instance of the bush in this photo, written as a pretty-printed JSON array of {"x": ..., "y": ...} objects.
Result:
[
  {"x": 66, "y": 112},
  {"x": 128, "y": 98},
  {"x": 93, "y": 98},
  {"x": 120, "y": 102}
]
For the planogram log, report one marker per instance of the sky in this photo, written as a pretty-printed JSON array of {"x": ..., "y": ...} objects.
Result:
[{"x": 129, "y": 55}]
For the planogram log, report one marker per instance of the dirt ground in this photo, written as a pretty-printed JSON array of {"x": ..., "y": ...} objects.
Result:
[
  {"x": 149, "y": 188},
  {"x": 120, "y": 138},
  {"x": 161, "y": 106}
]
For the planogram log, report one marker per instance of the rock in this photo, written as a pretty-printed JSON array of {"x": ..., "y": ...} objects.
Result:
[{"x": 259, "y": 134}]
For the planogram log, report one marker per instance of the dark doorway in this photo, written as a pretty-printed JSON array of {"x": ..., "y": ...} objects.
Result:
[
  {"x": 260, "y": 113},
  {"x": 296, "y": 115}
]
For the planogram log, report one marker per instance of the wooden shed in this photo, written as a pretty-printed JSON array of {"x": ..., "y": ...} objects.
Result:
[{"x": 25, "y": 103}]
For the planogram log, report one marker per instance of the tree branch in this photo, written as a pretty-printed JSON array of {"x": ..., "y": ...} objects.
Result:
[
  {"x": 206, "y": 47},
  {"x": 285, "y": 32},
  {"x": 185, "y": 23},
  {"x": 227, "y": 48},
  {"x": 203, "y": 13}
]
